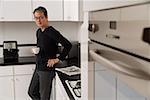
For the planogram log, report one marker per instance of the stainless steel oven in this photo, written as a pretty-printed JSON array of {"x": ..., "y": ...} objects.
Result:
[{"x": 123, "y": 48}]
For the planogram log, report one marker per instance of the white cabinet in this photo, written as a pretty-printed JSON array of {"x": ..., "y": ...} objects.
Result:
[
  {"x": 6, "y": 83},
  {"x": 16, "y": 10},
  {"x": 21, "y": 87},
  {"x": 60, "y": 90},
  {"x": 71, "y": 10},
  {"x": 6, "y": 88},
  {"x": 22, "y": 76},
  {"x": 58, "y": 10},
  {"x": 6, "y": 71},
  {"x": 135, "y": 13},
  {"x": 14, "y": 82},
  {"x": 54, "y": 8},
  {"x": 24, "y": 69},
  {"x": 107, "y": 15}
]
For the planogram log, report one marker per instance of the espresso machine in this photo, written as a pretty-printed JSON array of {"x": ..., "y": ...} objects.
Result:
[{"x": 10, "y": 51}]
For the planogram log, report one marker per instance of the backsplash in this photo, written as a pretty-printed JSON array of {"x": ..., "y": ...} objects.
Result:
[{"x": 25, "y": 33}]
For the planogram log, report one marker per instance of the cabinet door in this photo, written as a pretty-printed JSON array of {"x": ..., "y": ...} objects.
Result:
[
  {"x": 21, "y": 87},
  {"x": 104, "y": 86},
  {"x": 6, "y": 70},
  {"x": 135, "y": 13},
  {"x": 24, "y": 69},
  {"x": 60, "y": 90},
  {"x": 71, "y": 10},
  {"x": 23, "y": 75},
  {"x": 54, "y": 8},
  {"x": 6, "y": 88},
  {"x": 126, "y": 93},
  {"x": 16, "y": 10}
]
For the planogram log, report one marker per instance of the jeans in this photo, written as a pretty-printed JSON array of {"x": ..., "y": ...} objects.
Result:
[{"x": 41, "y": 85}]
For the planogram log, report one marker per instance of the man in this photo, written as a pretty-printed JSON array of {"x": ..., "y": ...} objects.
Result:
[{"x": 47, "y": 40}]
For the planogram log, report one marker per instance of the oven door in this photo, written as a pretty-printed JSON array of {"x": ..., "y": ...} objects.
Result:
[
  {"x": 121, "y": 63},
  {"x": 121, "y": 47},
  {"x": 131, "y": 70}
]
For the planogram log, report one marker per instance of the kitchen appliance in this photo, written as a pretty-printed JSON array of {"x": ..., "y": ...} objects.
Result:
[
  {"x": 123, "y": 49},
  {"x": 75, "y": 88},
  {"x": 10, "y": 51}
]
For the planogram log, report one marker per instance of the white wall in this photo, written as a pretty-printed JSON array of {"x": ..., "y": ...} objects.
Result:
[{"x": 25, "y": 33}]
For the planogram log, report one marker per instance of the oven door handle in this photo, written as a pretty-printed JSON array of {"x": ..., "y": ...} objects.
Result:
[{"x": 136, "y": 73}]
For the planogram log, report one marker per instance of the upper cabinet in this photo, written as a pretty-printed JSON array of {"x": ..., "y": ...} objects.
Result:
[
  {"x": 72, "y": 10},
  {"x": 139, "y": 12},
  {"x": 54, "y": 8},
  {"x": 58, "y": 10},
  {"x": 15, "y": 10}
]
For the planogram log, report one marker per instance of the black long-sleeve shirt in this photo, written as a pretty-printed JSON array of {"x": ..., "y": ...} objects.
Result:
[{"x": 48, "y": 42}]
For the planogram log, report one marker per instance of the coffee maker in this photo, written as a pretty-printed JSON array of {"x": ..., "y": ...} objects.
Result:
[{"x": 10, "y": 51}]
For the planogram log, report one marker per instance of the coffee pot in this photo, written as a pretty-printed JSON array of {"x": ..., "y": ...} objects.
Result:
[{"x": 10, "y": 51}]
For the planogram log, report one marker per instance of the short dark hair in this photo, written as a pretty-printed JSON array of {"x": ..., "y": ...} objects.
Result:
[{"x": 41, "y": 9}]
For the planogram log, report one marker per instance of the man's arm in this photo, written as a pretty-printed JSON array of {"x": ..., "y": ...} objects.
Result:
[{"x": 65, "y": 43}]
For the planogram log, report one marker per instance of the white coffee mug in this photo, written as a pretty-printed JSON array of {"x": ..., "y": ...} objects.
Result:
[{"x": 35, "y": 50}]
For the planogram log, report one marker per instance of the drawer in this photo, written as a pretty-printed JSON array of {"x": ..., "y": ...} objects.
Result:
[
  {"x": 6, "y": 70},
  {"x": 24, "y": 69}
]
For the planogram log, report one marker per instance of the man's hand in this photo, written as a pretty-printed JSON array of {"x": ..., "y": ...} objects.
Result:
[{"x": 52, "y": 62}]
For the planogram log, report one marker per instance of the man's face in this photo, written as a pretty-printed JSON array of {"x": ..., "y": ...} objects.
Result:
[{"x": 40, "y": 19}]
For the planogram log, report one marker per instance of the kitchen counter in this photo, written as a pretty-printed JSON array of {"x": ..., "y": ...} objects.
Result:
[
  {"x": 21, "y": 61},
  {"x": 64, "y": 77}
]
